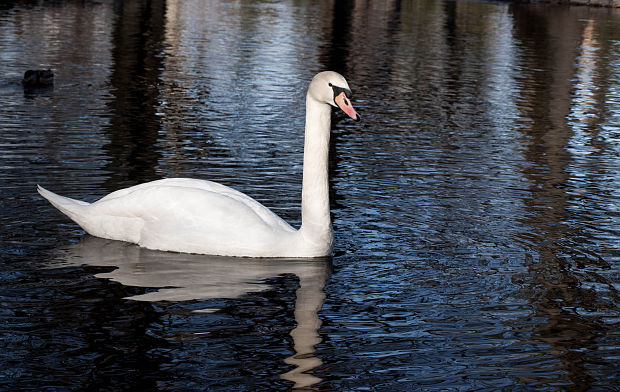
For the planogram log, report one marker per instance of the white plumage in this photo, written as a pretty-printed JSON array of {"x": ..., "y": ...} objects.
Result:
[{"x": 198, "y": 216}]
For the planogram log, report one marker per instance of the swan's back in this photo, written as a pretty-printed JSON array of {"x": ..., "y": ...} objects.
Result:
[
  {"x": 181, "y": 214},
  {"x": 170, "y": 187}
]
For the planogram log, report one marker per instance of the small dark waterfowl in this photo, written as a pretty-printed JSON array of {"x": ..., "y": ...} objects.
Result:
[{"x": 38, "y": 78}]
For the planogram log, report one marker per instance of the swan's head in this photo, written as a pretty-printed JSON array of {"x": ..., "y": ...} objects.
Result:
[{"x": 331, "y": 88}]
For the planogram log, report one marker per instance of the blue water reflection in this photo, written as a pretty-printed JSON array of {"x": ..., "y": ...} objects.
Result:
[{"x": 475, "y": 207}]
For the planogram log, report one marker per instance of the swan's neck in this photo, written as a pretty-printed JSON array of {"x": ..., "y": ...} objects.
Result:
[{"x": 316, "y": 223}]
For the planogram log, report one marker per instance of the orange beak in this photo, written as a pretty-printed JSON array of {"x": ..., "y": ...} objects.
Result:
[{"x": 345, "y": 104}]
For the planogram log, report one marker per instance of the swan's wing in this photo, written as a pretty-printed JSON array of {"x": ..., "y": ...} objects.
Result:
[
  {"x": 182, "y": 182},
  {"x": 167, "y": 190},
  {"x": 195, "y": 216}
]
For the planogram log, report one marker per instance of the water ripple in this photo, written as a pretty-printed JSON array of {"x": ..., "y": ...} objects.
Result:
[{"x": 474, "y": 207}]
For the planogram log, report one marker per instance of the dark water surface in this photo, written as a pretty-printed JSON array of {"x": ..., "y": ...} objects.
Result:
[{"x": 476, "y": 208}]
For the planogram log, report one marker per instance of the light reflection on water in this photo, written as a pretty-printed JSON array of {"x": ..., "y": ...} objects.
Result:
[{"x": 475, "y": 207}]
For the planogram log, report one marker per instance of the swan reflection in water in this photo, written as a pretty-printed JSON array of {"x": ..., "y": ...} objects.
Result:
[{"x": 185, "y": 277}]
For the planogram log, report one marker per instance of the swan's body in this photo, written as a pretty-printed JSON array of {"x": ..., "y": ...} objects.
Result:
[{"x": 198, "y": 216}]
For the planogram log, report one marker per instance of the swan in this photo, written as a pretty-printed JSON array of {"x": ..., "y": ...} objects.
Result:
[{"x": 204, "y": 217}]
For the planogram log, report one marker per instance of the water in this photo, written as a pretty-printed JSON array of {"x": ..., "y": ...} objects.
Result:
[{"x": 475, "y": 207}]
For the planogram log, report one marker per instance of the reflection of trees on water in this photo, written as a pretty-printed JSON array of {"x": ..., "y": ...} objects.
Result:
[
  {"x": 137, "y": 63},
  {"x": 555, "y": 280},
  {"x": 422, "y": 54},
  {"x": 559, "y": 90}
]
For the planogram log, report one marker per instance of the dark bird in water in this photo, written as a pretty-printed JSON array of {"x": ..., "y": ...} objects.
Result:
[{"x": 38, "y": 78}]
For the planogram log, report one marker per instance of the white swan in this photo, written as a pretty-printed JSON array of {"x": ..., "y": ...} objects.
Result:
[{"x": 198, "y": 216}]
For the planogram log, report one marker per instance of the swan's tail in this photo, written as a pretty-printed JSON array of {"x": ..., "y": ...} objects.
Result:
[
  {"x": 74, "y": 209},
  {"x": 114, "y": 227}
]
